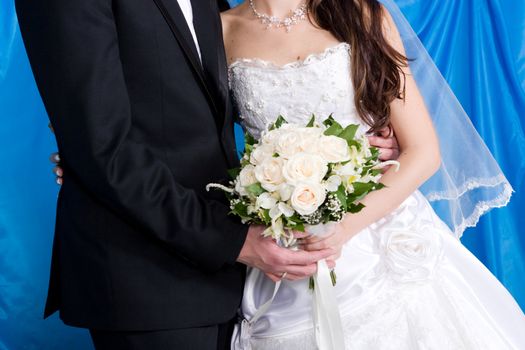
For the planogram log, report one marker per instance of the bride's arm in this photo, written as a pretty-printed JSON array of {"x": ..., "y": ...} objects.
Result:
[{"x": 419, "y": 158}]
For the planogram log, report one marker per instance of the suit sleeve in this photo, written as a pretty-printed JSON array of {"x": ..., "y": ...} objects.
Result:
[{"x": 73, "y": 50}]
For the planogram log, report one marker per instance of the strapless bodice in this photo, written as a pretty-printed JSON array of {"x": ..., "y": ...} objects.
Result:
[{"x": 321, "y": 85}]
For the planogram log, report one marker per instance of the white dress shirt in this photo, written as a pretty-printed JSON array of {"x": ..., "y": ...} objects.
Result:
[{"x": 185, "y": 6}]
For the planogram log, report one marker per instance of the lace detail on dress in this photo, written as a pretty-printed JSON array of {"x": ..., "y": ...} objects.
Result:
[
  {"x": 312, "y": 58},
  {"x": 320, "y": 84}
]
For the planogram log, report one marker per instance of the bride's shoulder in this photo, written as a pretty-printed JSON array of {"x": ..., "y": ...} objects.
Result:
[
  {"x": 233, "y": 21},
  {"x": 232, "y": 15}
]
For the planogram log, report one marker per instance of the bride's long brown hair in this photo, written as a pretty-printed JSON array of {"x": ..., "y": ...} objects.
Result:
[{"x": 376, "y": 66}]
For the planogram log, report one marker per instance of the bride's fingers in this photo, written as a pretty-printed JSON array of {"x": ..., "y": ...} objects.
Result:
[
  {"x": 318, "y": 245},
  {"x": 314, "y": 239},
  {"x": 300, "y": 235},
  {"x": 55, "y": 158},
  {"x": 58, "y": 171}
]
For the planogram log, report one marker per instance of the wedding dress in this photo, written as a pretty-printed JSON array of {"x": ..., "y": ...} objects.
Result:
[{"x": 405, "y": 282}]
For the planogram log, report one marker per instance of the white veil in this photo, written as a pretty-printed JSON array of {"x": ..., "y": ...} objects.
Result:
[{"x": 470, "y": 181}]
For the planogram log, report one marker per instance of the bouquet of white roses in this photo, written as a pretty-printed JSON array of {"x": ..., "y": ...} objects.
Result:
[{"x": 297, "y": 176}]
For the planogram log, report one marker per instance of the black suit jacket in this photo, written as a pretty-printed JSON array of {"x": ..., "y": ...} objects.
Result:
[{"x": 142, "y": 127}]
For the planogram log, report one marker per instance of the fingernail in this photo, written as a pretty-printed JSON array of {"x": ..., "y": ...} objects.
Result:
[{"x": 57, "y": 157}]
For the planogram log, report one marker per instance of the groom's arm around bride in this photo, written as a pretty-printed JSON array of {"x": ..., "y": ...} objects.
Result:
[{"x": 139, "y": 244}]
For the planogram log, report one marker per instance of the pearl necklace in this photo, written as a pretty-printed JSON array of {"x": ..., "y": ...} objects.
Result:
[{"x": 298, "y": 14}]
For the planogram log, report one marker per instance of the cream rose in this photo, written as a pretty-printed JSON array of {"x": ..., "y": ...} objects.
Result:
[
  {"x": 269, "y": 137},
  {"x": 309, "y": 139},
  {"x": 333, "y": 149},
  {"x": 411, "y": 255},
  {"x": 305, "y": 167},
  {"x": 246, "y": 178},
  {"x": 260, "y": 153},
  {"x": 269, "y": 173},
  {"x": 288, "y": 143},
  {"x": 307, "y": 198}
]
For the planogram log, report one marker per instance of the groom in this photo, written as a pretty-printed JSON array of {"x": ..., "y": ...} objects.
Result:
[{"x": 137, "y": 93}]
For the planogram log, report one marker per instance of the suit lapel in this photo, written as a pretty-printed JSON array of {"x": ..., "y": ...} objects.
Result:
[{"x": 177, "y": 22}]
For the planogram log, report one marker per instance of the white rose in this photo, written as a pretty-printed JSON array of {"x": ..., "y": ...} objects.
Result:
[
  {"x": 288, "y": 143},
  {"x": 333, "y": 149},
  {"x": 309, "y": 139},
  {"x": 307, "y": 198},
  {"x": 270, "y": 174},
  {"x": 260, "y": 153},
  {"x": 305, "y": 167},
  {"x": 246, "y": 178},
  {"x": 285, "y": 191},
  {"x": 270, "y": 137},
  {"x": 411, "y": 255}
]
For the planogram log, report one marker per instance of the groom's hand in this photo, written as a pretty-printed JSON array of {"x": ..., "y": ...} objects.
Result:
[{"x": 262, "y": 253}]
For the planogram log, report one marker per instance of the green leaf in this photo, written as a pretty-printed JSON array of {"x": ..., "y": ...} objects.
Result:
[
  {"x": 278, "y": 123},
  {"x": 335, "y": 129},
  {"x": 375, "y": 172},
  {"x": 362, "y": 187},
  {"x": 255, "y": 189},
  {"x": 379, "y": 186},
  {"x": 311, "y": 123},
  {"x": 349, "y": 133},
  {"x": 249, "y": 139},
  {"x": 354, "y": 143},
  {"x": 241, "y": 210},
  {"x": 233, "y": 173},
  {"x": 265, "y": 215},
  {"x": 356, "y": 208},
  {"x": 329, "y": 121},
  {"x": 375, "y": 152},
  {"x": 296, "y": 226},
  {"x": 341, "y": 196}
]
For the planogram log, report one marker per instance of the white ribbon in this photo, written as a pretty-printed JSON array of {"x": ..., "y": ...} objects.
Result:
[
  {"x": 328, "y": 327},
  {"x": 243, "y": 331},
  {"x": 327, "y": 320}
]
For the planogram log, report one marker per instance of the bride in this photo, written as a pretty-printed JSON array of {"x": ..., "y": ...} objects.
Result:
[{"x": 404, "y": 281}]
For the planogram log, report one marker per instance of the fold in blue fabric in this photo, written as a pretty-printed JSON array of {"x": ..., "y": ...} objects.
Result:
[{"x": 479, "y": 46}]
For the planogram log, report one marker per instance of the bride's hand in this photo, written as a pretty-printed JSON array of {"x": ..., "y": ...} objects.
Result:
[
  {"x": 57, "y": 170},
  {"x": 386, "y": 141},
  {"x": 338, "y": 235},
  {"x": 55, "y": 159}
]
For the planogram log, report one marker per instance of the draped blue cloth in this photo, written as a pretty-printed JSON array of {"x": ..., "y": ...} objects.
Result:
[{"x": 479, "y": 46}]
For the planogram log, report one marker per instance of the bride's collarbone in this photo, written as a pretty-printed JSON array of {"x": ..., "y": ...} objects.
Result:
[
  {"x": 275, "y": 45},
  {"x": 280, "y": 54}
]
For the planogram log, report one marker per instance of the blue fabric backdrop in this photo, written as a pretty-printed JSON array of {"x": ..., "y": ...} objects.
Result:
[{"x": 479, "y": 45}]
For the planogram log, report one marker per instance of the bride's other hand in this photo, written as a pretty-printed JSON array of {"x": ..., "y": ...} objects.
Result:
[
  {"x": 338, "y": 235},
  {"x": 57, "y": 170},
  {"x": 55, "y": 159},
  {"x": 263, "y": 253},
  {"x": 386, "y": 141}
]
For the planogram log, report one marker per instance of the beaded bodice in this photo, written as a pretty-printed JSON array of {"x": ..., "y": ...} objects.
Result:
[{"x": 319, "y": 85}]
